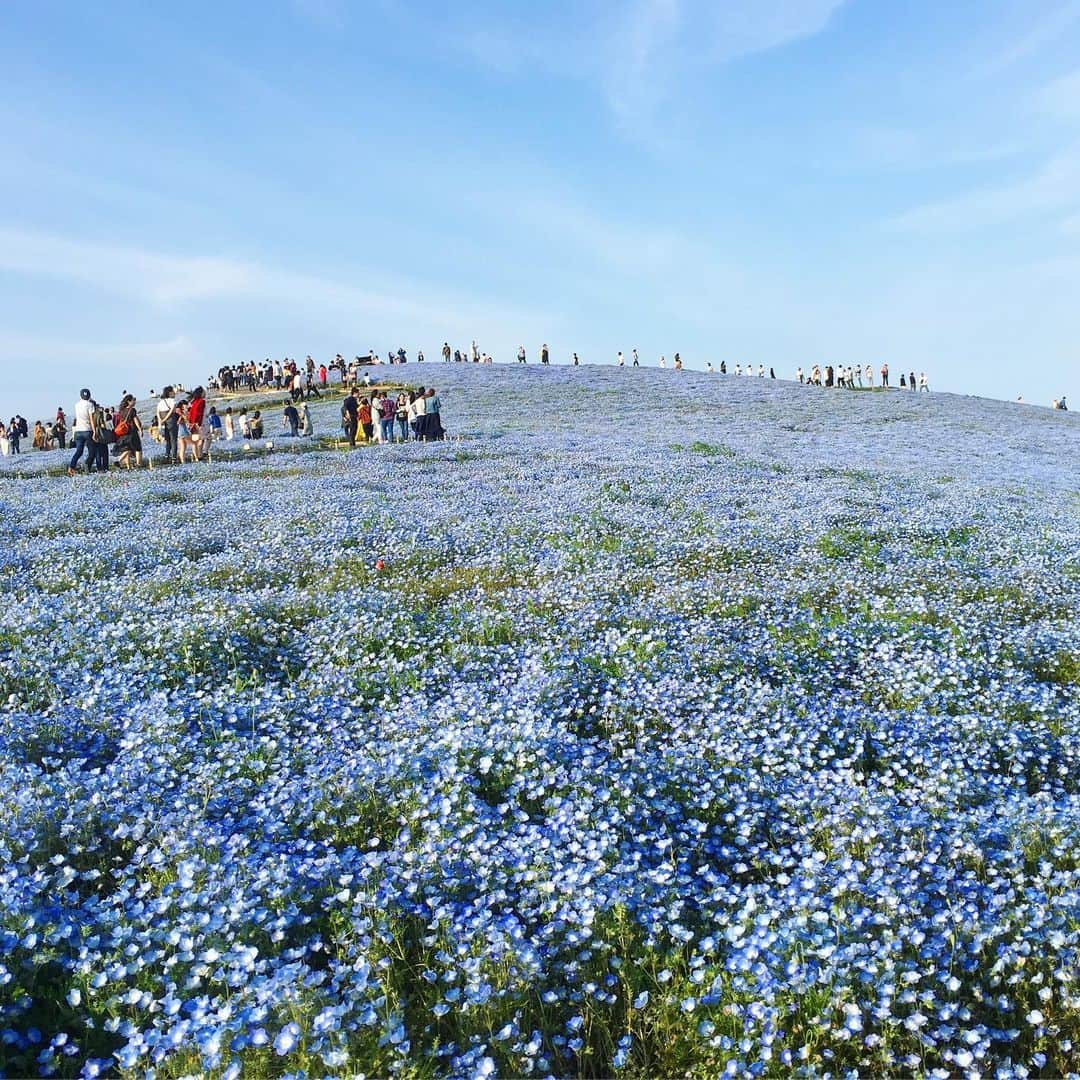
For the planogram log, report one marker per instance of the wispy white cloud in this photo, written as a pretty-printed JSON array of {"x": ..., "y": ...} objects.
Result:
[
  {"x": 1050, "y": 191},
  {"x": 913, "y": 150},
  {"x": 1042, "y": 32},
  {"x": 172, "y": 280},
  {"x": 108, "y": 367},
  {"x": 1060, "y": 99},
  {"x": 660, "y": 44},
  {"x": 637, "y": 56}
]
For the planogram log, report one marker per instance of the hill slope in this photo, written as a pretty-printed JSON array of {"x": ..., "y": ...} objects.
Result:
[{"x": 663, "y": 723}]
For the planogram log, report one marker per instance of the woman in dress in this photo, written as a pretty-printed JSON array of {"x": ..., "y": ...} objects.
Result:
[{"x": 128, "y": 433}]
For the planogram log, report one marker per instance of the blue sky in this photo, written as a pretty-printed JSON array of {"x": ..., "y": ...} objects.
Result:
[{"x": 778, "y": 181}]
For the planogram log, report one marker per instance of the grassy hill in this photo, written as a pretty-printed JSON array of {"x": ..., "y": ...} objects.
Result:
[{"x": 657, "y": 724}]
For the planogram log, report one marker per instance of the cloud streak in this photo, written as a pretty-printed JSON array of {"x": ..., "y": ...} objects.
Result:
[
  {"x": 1052, "y": 190},
  {"x": 658, "y": 44},
  {"x": 170, "y": 280}
]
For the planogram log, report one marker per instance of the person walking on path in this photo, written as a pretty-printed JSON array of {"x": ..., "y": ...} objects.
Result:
[
  {"x": 82, "y": 432},
  {"x": 634, "y": 362}
]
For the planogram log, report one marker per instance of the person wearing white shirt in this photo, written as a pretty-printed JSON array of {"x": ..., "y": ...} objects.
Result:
[{"x": 82, "y": 432}]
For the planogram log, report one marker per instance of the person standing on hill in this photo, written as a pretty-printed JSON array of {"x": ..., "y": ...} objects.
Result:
[
  {"x": 387, "y": 409},
  {"x": 350, "y": 416},
  {"x": 82, "y": 432},
  {"x": 445, "y": 352},
  {"x": 885, "y": 376},
  {"x": 544, "y": 357},
  {"x": 196, "y": 416},
  {"x": 619, "y": 359},
  {"x": 167, "y": 420},
  {"x": 434, "y": 415},
  {"x": 924, "y": 383},
  {"x": 521, "y": 355},
  {"x": 364, "y": 416},
  {"x": 60, "y": 429},
  {"x": 911, "y": 381},
  {"x": 634, "y": 359},
  {"x": 292, "y": 418},
  {"x": 128, "y": 432},
  {"x": 99, "y": 439}
]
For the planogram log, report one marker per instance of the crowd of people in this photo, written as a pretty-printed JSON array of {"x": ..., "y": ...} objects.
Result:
[
  {"x": 386, "y": 417},
  {"x": 187, "y": 427}
]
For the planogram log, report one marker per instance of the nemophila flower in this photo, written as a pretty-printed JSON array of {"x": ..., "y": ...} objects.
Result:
[
  {"x": 765, "y": 734},
  {"x": 287, "y": 1038}
]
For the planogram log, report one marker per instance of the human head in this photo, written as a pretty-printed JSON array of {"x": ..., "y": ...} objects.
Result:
[{"x": 84, "y": 394}]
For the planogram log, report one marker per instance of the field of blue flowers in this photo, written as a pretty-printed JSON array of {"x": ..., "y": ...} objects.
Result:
[{"x": 692, "y": 725}]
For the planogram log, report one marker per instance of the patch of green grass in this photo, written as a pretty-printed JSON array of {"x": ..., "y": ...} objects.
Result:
[
  {"x": 711, "y": 449},
  {"x": 851, "y": 542},
  {"x": 1061, "y": 667}
]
